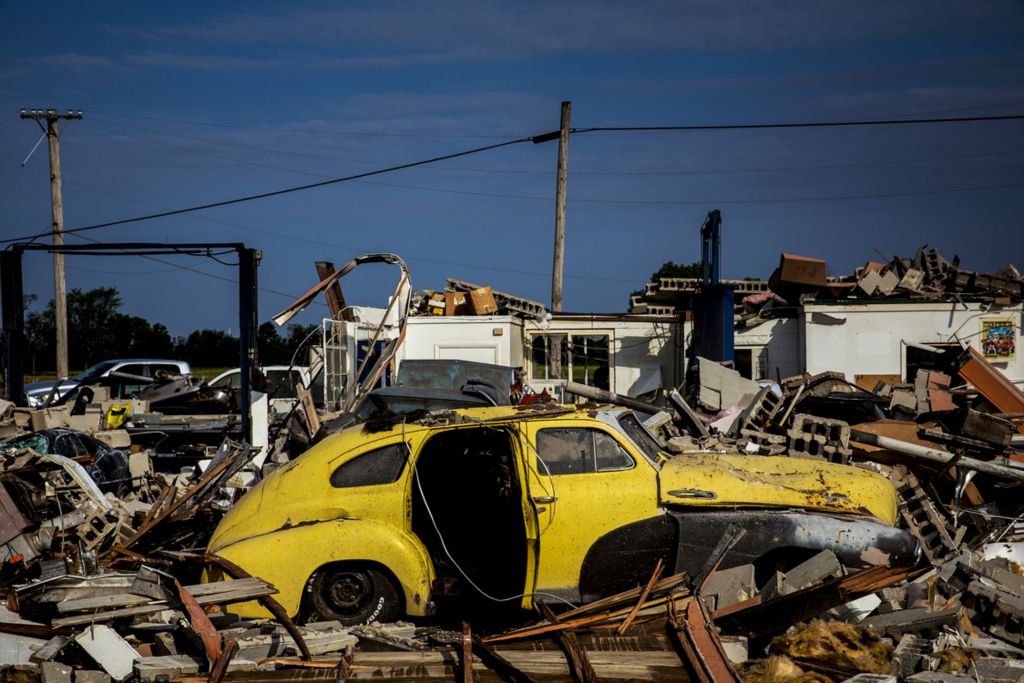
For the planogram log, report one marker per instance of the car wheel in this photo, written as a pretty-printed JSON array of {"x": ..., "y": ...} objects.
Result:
[{"x": 353, "y": 595}]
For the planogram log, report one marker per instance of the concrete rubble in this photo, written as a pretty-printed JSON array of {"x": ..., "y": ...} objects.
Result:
[{"x": 102, "y": 537}]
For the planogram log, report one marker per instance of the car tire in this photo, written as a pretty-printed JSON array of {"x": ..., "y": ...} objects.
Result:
[{"x": 353, "y": 595}]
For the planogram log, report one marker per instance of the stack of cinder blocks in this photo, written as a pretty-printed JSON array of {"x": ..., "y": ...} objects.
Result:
[
  {"x": 819, "y": 438},
  {"x": 757, "y": 420}
]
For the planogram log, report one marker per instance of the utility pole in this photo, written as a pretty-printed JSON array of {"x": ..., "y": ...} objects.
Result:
[
  {"x": 57, "y": 209},
  {"x": 563, "y": 171}
]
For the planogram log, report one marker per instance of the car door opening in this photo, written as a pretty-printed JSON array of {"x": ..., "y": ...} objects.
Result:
[{"x": 467, "y": 510}]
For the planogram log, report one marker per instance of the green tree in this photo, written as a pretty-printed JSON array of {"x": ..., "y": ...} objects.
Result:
[
  {"x": 208, "y": 348},
  {"x": 673, "y": 269}
]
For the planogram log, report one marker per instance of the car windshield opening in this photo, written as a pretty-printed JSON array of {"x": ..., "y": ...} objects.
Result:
[
  {"x": 640, "y": 436},
  {"x": 95, "y": 371}
]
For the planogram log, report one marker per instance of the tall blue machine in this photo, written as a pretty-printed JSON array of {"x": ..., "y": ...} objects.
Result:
[{"x": 713, "y": 305}]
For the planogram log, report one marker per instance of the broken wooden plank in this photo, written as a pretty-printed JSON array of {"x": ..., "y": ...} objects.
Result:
[
  {"x": 575, "y": 656},
  {"x": 223, "y": 598},
  {"x": 643, "y": 597},
  {"x": 698, "y": 642}
]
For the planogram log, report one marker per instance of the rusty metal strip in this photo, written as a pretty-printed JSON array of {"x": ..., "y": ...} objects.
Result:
[
  {"x": 698, "y": 644},
  {"x": 272, "y": 605},
  {"x": 220, "y": 667},
  {"x": 201, "y": 624},
  {"x": 660, "y": 567}
]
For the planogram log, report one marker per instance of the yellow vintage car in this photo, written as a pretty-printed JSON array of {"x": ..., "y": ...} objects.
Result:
[{"x": 519, "y": 504}]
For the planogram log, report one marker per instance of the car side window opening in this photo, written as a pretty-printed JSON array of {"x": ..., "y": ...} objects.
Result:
[
  {"x": 467, "y": 508},
  {"x": 136, "y": 369},
  {"x": 578, "y": 450},
  {"x": 373, "y": 468}
]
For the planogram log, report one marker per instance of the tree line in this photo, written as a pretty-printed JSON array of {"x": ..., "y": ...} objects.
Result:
[{"x": 98, "y": 330}]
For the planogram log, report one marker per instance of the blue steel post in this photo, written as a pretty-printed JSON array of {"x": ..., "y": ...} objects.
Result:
[{"x": 713, "y": 305}]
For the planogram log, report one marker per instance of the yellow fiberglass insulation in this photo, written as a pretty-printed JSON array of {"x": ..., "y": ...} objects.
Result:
[
  {"x": 779, "y": 669},
  {"x": 836, "y": 645}
]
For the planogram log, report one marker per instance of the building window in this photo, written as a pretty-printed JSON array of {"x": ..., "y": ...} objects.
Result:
[{"x": 583, "y": 358}]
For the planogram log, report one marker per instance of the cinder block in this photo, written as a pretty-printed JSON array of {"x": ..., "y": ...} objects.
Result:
[
  {"x": 87, "y": 676},
  {"x": 55, "y": 672},
  {"x": 729, "y": 586}
]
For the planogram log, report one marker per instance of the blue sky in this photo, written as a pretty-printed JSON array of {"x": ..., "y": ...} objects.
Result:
[{"x": 187, "y": 103}]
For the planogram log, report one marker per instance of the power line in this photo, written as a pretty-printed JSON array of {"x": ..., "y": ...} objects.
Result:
[
  {"x": 550, "y": 136},
  {"x": 687, "y": 202},
  {"x": 354, "y": 133},
  {"x": 328, "y": 157},
  {"x": 811, "y": 124},
  {"x": 275, "y": 193},
  {"x": 577, "y": 200},
  {"x": 354, "y": 248},
  {"x": 357, "y": 133}
]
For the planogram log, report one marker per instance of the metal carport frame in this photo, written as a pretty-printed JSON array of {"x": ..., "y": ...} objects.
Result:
[{"x": 11, "y": 290}]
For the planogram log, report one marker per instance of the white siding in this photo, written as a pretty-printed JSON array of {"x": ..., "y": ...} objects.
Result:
[{"x": 871, "y": 338}]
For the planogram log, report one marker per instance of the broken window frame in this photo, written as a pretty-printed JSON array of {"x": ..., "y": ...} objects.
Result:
[{"x": 568, "y": 355}]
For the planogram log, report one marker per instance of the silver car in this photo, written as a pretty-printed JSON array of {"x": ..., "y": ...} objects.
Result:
[{"x": 36, "y": 393}]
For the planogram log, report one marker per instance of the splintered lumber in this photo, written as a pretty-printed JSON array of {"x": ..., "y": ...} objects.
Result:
[
  {"x": 575, "y": 656},
  {"x": 600, "y": 620},
  {"x": 225, "y": 592},
  {"x": 698, "y": 643},
  {"x": 649, "y": 665},
  {"x": 643, "y": 598}
]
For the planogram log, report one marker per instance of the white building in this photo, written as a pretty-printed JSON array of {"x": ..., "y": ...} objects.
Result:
[{"x": 871, "y": 340}]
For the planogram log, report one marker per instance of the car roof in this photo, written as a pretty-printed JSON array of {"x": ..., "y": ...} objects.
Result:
[
  {"x": 171, "y": 361},
  {"x": 357, "y": 434}
]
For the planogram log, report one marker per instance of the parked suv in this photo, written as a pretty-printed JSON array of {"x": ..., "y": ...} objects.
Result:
[
  {"x": 564, "y": 502},
  {"x": 138, "y": 368}
]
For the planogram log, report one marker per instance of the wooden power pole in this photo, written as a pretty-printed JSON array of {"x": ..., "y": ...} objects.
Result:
[
  {"x": 563, "y": 171},
  {"x": 57, "y": 210}
]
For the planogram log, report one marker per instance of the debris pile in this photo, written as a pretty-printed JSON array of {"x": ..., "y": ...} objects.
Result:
[{"x": 928, "y": 276}]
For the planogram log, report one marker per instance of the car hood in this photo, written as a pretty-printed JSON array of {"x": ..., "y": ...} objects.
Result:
[{"x": 775, "y": 482}]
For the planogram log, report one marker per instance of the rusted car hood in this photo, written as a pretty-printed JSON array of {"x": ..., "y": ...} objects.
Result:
[{"x": 775, "y": 482}]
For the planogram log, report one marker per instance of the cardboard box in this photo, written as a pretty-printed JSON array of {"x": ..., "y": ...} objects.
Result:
[
  {"x": 482, "y": 301},
  {"x": 798, "y": 270},
  {"x": 456, "y": 303},
  {"x": 436, "y": 304}
]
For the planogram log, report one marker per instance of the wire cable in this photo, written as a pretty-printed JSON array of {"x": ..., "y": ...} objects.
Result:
[
  {"x": 274, "y": 193},
  {"x": 550, "y": 136},
  {"x": 354, "y": 248},
  {"x": 354, "y": 133},
  {"x": 809, "y": 124},
  {"x": 457, "y": 169}
]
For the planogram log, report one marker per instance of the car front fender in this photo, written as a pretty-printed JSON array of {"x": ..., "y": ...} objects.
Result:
[{"x": 286, "y": 558}]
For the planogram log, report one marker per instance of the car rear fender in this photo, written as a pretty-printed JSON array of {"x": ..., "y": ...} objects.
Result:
[
  {"x": 287, "y": 558},
  {"x": 858, "y": 541}
]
